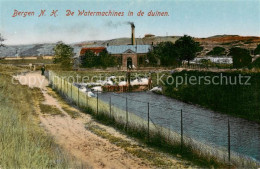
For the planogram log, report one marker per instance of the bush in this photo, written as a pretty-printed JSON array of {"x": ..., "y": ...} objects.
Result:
[
  {"x": 216, "y": 51},
  {"x": 257, "y": 50},
  {"x": 104, "y": 59},
  {"x": 241, "y": 57},
  {"x": 255, "y": 64},
  {"x": 89, "y": 59}
]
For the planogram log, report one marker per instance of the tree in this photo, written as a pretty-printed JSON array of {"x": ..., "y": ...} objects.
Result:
[
  {"x": 104, "y": 59},
  {"x": 153, "y": 57},
  {"x": 89, "y": 59},
  {"x": 187, "y": 48},
  {"x": 217, "y": 51},
  {"x": 241, "y": 57},
  {"x": 165, "y": 52},
  {"x": 107, "y": 60},
  {"x": 257, "y": 50},
  {"x": 63, "y": 54}
]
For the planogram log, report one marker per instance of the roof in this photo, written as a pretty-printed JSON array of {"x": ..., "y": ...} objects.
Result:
[
  {"x": 96, "y": 50},
  {"x": 123, "y": 48}
]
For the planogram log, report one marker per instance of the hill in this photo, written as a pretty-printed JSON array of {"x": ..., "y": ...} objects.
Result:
[{"x": 225, "y": 41}]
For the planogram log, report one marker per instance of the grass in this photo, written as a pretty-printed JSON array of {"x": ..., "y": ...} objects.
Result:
[
  {"x": 158, "y": 141},
  {"x": 155, "y": 159},
  {"x": 50, "y": 109},
  {"x": 23, "y": 143},
  {"x": 73, "y": 112},
  {"x": 236, "y": 100}
]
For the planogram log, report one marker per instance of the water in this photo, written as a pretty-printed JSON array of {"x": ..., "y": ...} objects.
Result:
[{"x": 201, "y": 124}]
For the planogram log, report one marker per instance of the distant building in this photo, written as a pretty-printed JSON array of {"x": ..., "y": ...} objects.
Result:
[{"x": 129, "y": 56}]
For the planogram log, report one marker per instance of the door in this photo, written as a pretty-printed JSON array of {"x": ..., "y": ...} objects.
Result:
[{"x": 129, "y": 63}]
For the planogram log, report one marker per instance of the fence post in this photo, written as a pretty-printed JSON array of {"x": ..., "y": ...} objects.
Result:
[
  {"x": 181, "y": 132},
  {"x": 86, "y": 100},
  {"x": 61, "y": 85},
  {"x": 126, "y": 113},
  {"x": 97, "y": 101},
  {"x": 71, "y": 92},
  {"x": 56, "y": 82},
  {"x": 228, "y": 142},
  {"x": 78, "y": 96},
  {"x": 148, "y": 119},
  {"x": 110, "y": 110},
  {"x": 52, "y": 81},
  {"x": 67, "y": 88}
]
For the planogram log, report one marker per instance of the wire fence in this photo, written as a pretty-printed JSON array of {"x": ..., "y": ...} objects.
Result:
[{"x": 153, "y": 121}]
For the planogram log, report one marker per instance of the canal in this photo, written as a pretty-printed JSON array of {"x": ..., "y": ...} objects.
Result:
[{"x": 201, "y": 124}]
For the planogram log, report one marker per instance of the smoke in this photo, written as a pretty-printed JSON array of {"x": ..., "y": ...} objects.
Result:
[
  {"x": 131, "y": 23},
  {"x": 117, "y": 24},
  {"x": 113, "y": 24}
]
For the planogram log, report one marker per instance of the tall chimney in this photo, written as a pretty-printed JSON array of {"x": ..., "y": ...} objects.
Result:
[{"x": 133, "y": 33}]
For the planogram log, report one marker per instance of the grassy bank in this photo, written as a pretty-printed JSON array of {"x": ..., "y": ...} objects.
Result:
[
  {"x": 159, "y": 142},
  {"x": 237, "y": 100},
  {"x": 23, "y": 144}
]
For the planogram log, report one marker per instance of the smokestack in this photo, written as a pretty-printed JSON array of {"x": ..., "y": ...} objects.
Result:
[{"x": 133, "y": 33}]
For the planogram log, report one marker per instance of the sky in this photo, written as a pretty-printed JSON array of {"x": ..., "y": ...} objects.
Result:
[{"x": 197, "y": 18}]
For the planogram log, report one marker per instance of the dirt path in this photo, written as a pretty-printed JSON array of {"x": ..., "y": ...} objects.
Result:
[{"x": 71, "y": 134}]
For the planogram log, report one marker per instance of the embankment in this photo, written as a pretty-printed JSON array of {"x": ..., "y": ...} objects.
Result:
[{"x": 222, "y": 92}]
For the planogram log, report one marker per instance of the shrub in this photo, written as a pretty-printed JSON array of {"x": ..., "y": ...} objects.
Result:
[
  {"x": 257, "y": 50},
  {"x": 217, "y": 51},
  {"x": 255, "y": 64},
  {"x": 241, "y": 57},
  {"x": 104, "y": 59}
]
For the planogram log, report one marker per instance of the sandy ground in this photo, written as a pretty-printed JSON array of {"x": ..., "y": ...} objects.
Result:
[{"x": 71, "y": 134}]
